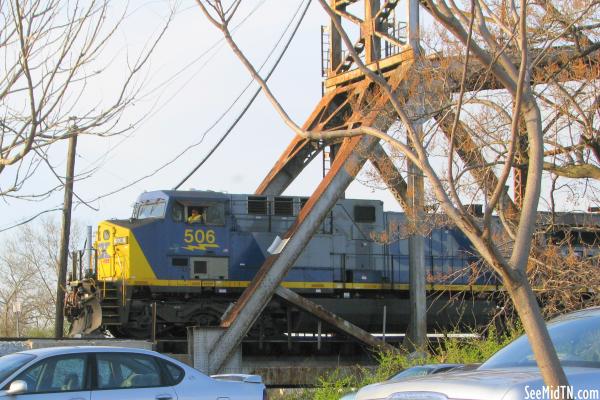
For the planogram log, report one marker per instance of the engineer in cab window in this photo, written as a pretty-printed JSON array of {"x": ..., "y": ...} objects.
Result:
[{"x": 195, "y": 217}]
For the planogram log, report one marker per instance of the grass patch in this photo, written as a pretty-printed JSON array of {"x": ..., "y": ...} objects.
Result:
[{"x": 453, "y": 351}]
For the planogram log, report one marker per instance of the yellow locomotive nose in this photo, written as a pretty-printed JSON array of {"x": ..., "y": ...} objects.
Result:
[
  {"x": 120, "y": 257},
  {"x": 112, "y": 244}
]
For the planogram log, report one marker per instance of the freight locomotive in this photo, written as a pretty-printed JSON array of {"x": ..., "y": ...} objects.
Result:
[{"x": 167, "y": 270}]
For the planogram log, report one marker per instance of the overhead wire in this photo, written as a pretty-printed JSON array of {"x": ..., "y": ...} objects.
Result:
[
  {"x": 238, "y": 118},
  {"x": 170, "y": 79},
  {"x": 247, "y": 107}
]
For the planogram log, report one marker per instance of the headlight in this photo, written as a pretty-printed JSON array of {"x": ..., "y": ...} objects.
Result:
[{"x": 416, "y": 396}]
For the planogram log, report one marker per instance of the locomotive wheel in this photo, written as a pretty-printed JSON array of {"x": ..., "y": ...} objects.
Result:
[{"x": 205, "y": 319}]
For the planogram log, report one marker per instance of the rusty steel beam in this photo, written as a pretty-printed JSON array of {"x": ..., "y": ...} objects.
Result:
[
  {"x": 298, "y": 154},
  {"x": 257, "y": 295},
  {"x": 471, "y": 156},
  {"x": 335, "y": 43},
  {"x": 328, "y": 113},
  {"x": 348, "y": 161},
  {"x": 338, "y": 323},
  {"x": 295, "y": 157},
  {"x": 390, "y": 176},
  {"x": 520, "y": 170},
  {"x": 344, "y": 107},
  {"x": 332, "y": 111},
  {"x": 553, "y": 65},
  {"x": 369, "y": 28}
]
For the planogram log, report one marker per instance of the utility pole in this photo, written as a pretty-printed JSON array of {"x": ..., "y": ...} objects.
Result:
[
  {"x": 64, "y": 240},
  {"x": 417, "y": 334}
]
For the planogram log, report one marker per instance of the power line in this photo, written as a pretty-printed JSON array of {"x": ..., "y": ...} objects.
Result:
[
  {"x": 28, "y": 220},
  {"x": 235, "y": 122},
  {"x": 181, "y": 153},
  {"x": 170, "y": 79}
]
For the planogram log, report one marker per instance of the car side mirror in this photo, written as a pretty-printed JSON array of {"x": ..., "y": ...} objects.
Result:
[{"x": 17, "y": 387}]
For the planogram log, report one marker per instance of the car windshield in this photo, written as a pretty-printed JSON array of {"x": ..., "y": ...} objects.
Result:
[
  {"x": 412, "y": 372},
  {"x": 576, "y": 339},
  {"x": 12, "y": 362}
]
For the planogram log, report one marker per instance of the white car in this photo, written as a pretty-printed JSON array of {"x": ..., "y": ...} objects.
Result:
[
  {"x": 417, "y": 371},
  {"x": 512, "y": 374},
  {"x": 114, "y": 373}
]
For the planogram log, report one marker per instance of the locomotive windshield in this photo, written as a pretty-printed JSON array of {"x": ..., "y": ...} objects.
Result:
[{"x": 150, "y": 209}]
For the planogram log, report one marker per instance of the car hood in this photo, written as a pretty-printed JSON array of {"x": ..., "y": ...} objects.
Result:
[{"x": 483, "y": 384}]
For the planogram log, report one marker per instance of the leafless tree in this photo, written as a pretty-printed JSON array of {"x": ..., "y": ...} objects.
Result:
[
  {"x": 509, "y": 41},
  {"x": 54, "y": 52},
  {"x": 29, "y": 265}
]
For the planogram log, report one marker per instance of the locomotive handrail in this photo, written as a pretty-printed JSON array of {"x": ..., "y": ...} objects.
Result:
[
  {"x": 103, "y": 267},
  {"x": 122, "y": 278},
  {"x": 440, "y": 269}
]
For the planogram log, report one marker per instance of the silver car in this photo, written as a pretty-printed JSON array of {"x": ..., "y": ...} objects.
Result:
[
  {"x": 113, "y": 373},
  {"x": 512, "y": 374},
  {"x": 413, "y": 372}
]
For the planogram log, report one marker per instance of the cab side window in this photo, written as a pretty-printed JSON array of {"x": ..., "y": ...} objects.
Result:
[
  {"x": 177, "y": 212},
  {"x": 56, "y": 374},
  {"x": 195, "y": 215},
  {"x": 209, "y": 214},
  {"x": 215, "y": 214},
  {"x": 128, "y": 371}
]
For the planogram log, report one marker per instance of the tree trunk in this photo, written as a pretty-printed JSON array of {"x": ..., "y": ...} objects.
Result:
[
  {"x": 531, "y": 317},
  {"x": 517, "y": 285}
]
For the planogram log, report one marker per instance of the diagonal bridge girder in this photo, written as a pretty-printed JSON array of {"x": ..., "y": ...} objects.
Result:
[{"x": 349, "y": 160}]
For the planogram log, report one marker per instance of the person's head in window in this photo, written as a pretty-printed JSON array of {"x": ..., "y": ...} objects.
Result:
[{"x": 195, "y": 216}]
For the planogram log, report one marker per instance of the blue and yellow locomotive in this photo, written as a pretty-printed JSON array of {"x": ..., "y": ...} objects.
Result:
[{"x": 192, "y": 267}]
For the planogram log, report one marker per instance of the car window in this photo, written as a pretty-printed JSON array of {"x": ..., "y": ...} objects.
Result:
[
  {"x": 175, "y": 373},
  {"x": 127, "y": 371},
  {"x": 56, "y": 374},
  {"x": 9, "y": 364},
  {"x": 577, "y": 343}
]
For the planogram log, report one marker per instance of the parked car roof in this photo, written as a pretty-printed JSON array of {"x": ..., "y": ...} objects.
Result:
[{"x": 49, "y": 351}]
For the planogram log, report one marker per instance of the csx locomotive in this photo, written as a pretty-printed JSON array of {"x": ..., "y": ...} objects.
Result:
[{"x": 159, "y": 269}]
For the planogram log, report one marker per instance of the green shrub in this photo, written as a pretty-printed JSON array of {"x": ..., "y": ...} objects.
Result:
[{"x": 453, "y": 350}]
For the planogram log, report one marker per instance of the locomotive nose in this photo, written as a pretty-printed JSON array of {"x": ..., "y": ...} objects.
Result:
[{"x": 111, "y": 243}]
